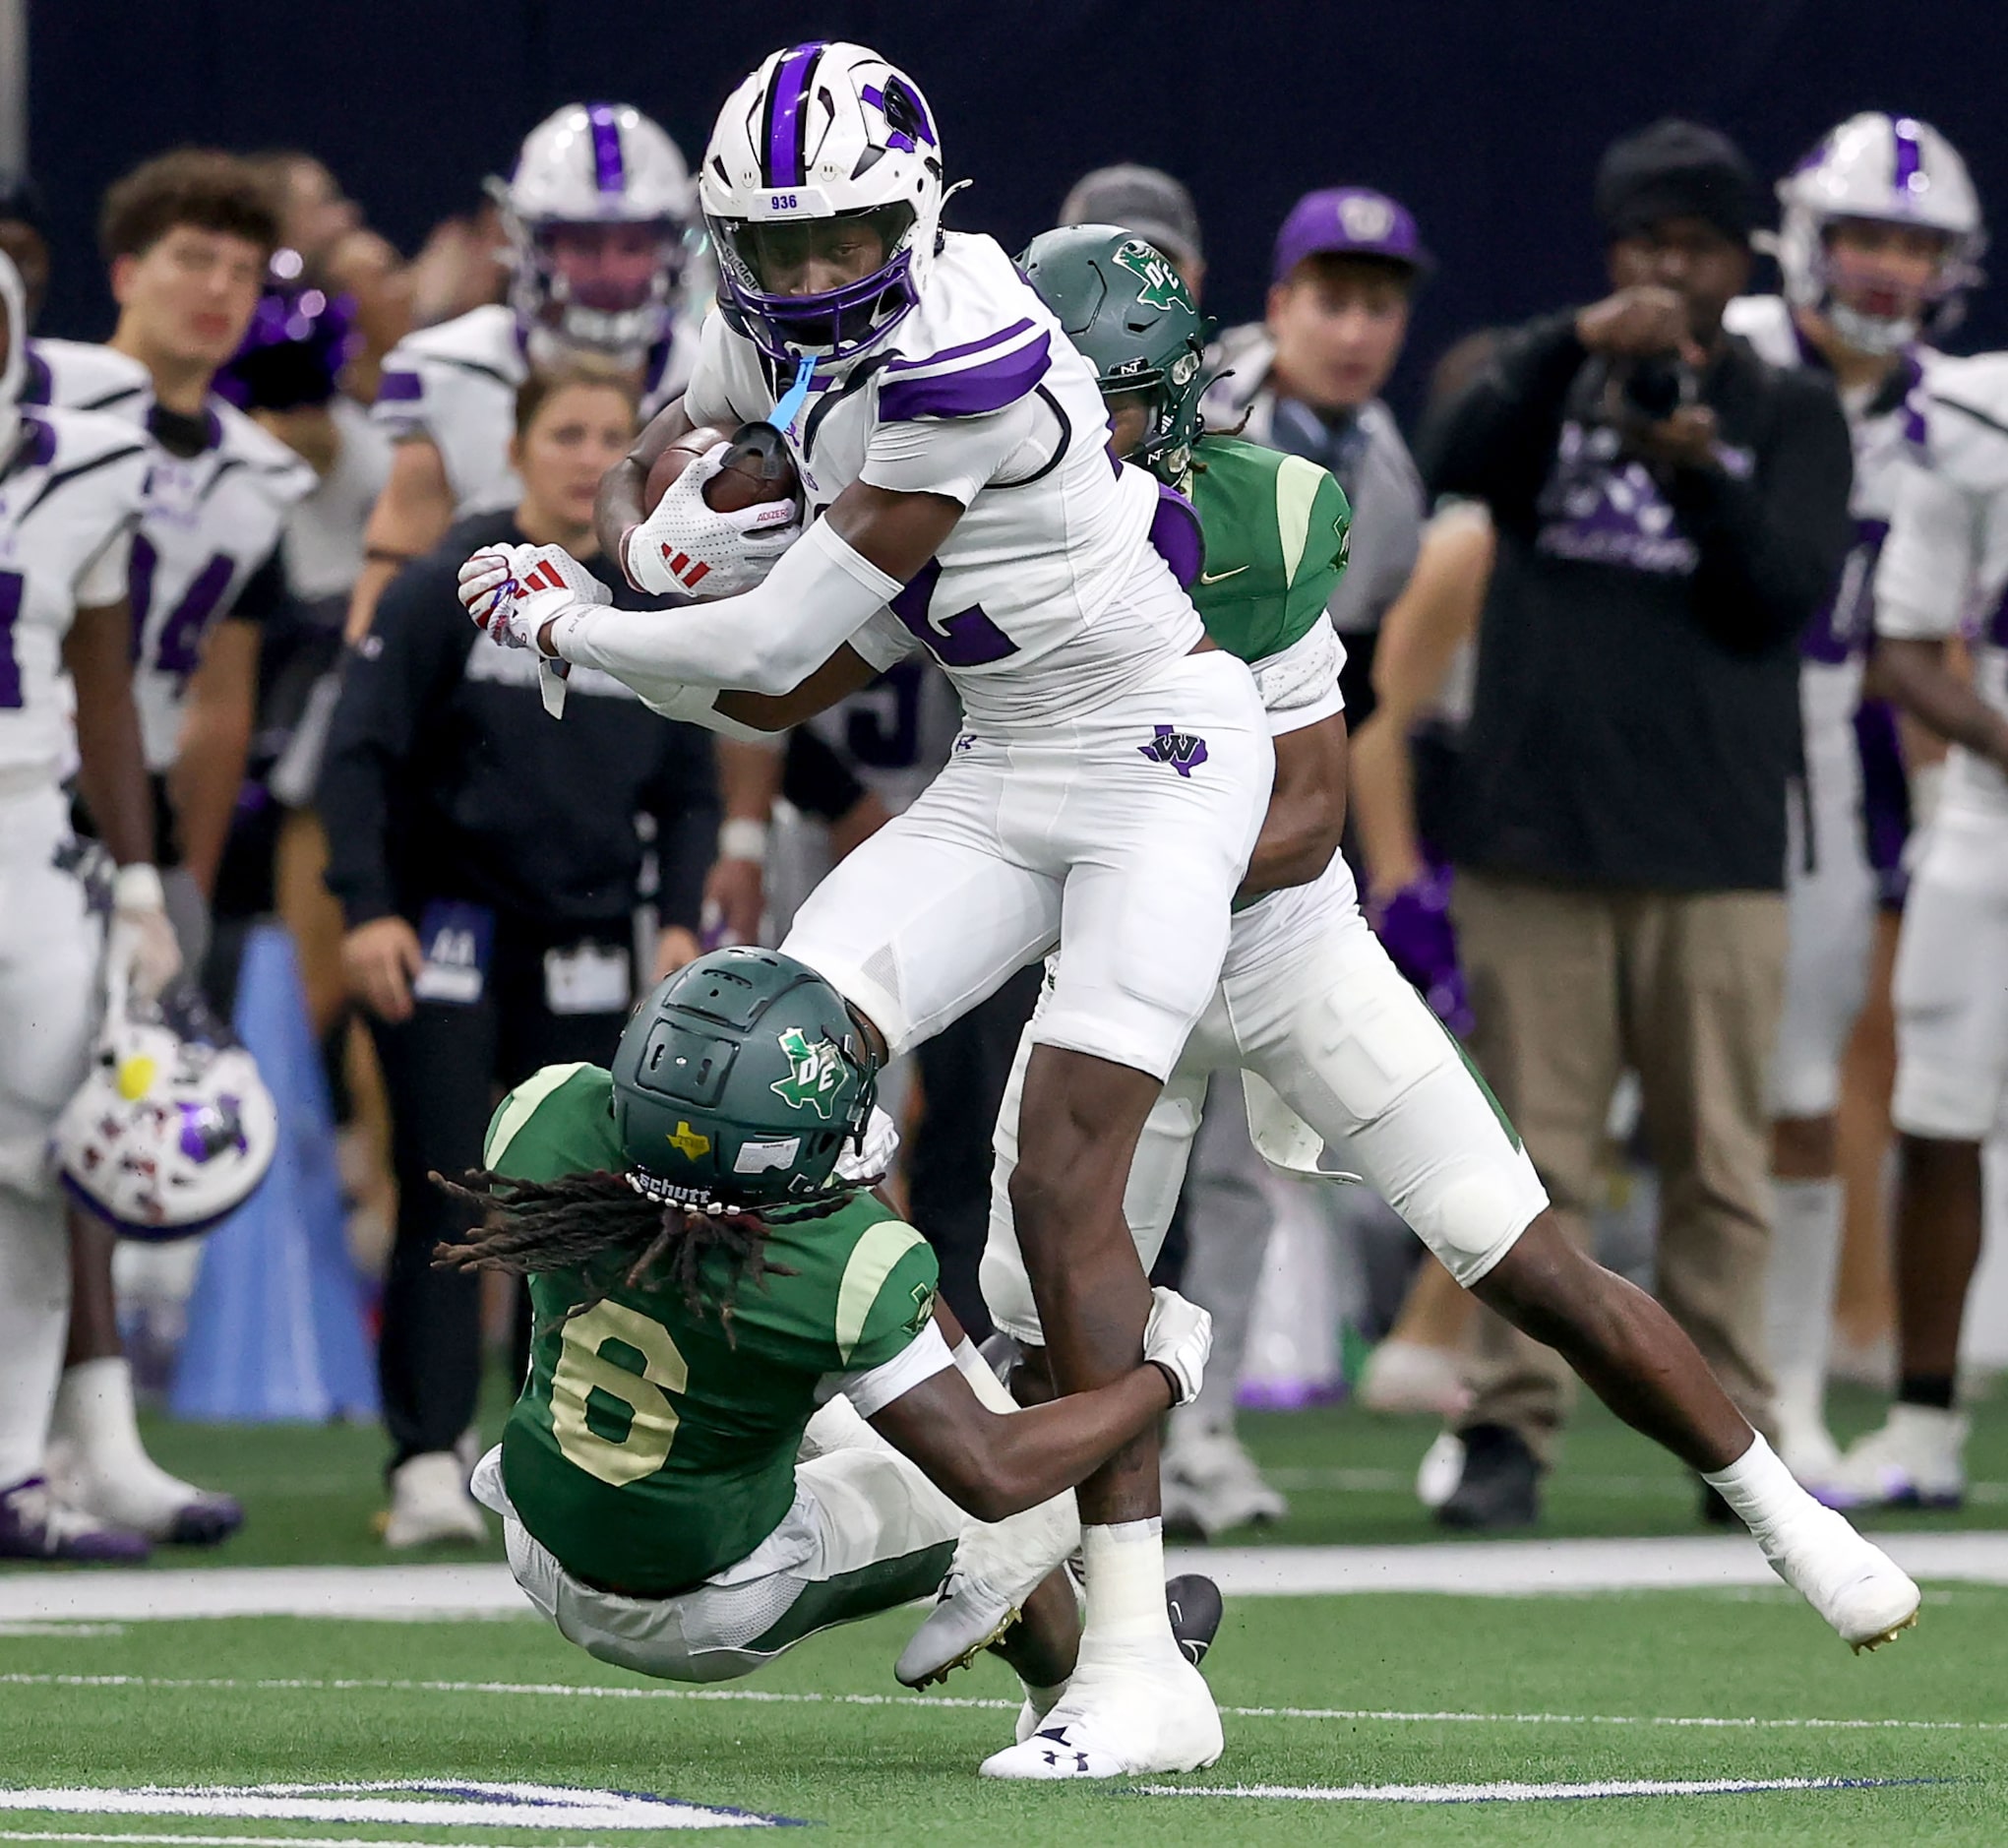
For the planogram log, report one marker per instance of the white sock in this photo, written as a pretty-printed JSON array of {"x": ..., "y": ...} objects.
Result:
[
  {"x": 986, "y": 1387},
  {"x": 1125, "y": 1572},
  {"x": 1761, "y": 1490},
  {"x": 1042, "y": 1700},
  {"x": 1799, "y": 1291},
  {"x": 95, "y": 1416}
]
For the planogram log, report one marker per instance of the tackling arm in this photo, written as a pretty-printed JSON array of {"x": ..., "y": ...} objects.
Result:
[
  {"x": 1306, "y": 812},
  {"x": 992, "y": 1464}
]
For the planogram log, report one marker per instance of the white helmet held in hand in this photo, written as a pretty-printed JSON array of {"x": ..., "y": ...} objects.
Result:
[
  {"x": 598, "y": 213},
  {"x": 172, "y": 1129},
  {"x": 1880, "y": 169},
  {"x": 822, "y": 138}
]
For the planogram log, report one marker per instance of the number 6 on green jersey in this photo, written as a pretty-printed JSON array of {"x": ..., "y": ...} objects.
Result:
[{"x": 583, "y": 1368}]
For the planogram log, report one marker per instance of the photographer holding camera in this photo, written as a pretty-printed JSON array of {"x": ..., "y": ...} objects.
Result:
[{"x": 1670, "y": 512}]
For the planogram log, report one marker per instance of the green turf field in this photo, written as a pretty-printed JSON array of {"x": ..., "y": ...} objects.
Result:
[{"x": 1323, "y": 1694}]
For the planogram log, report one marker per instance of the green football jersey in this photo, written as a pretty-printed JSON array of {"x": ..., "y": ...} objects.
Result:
[
  {"x": 1275, "y": 527},
  {"x": 652, "y": 1446}
]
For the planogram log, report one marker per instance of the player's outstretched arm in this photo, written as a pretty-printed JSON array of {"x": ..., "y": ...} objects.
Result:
[
  {"x": 994, "y": 1464},
  {"x": 842, "y": 675},
  {"x": 768, "y": 640}
]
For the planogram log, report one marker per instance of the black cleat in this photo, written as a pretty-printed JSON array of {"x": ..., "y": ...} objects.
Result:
[
  {"x": 1192, "y": 1601},
  {"x": 208, "y": 1520},
  {"x": 1501, "y": 1488}
]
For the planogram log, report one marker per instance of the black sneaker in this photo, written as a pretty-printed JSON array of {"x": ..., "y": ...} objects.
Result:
[
  {"x": 1501, "y": 1488},
  {"x": 1192, "y": 1601}
]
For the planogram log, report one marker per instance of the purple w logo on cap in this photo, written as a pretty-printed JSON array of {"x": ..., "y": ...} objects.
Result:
[{"x": 1349, "y": 221}]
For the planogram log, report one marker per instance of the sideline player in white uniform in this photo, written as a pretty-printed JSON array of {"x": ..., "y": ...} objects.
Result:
[
  {"x": 189, "y": 235},
  {"x": 1944, "y": 568},
  {"x": 1106, "y": 794},
  {"x": 597, "y": 212},
  {"x": 1878, "y": 239},
  {"x": 70, "y": 486}
]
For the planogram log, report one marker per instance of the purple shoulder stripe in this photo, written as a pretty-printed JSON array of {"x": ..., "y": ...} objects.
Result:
[
  {"x": 36, "y": 384},
  {"x": 1175, "y": 535},
  {"x": 396, "y": 388},
  {"x": 971, "y": 392},
  {"x": 961, "y": 352}
]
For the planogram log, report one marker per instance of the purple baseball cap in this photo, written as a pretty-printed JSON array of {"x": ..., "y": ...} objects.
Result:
[{"x": 1349, "y": 221}]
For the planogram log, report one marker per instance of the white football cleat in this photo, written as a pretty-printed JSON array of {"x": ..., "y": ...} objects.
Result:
[
  {"x": 1916, "y": 1459},
  {"x": 429, "y": 1502},
  {"x": 1210, "y": 1483},
  {"x": 1119, "y": 1722},
  {"x": 1411, "y": 1376},
  {"x": 1861, "y": 1592},
  {"x": 998, "y": 1565},
  {"x": 137, "y": 1494}
]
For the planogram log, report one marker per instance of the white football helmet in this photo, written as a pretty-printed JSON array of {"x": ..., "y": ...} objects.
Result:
[
  {"x": 598, "y": 213},
  {"x": 820, "y": 134},
  {"x": 1890, "y": 170},
  {"x": 173, "y": 1127}
]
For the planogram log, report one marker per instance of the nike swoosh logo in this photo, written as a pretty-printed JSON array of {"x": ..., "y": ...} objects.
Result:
[{"x": 1221, "y": 576}]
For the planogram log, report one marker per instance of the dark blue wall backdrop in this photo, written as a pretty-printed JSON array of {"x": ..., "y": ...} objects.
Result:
[{"x": 1485, "y": 118}]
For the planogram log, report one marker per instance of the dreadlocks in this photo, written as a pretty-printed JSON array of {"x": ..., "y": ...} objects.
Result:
[{"x": 599, "y": 1223}]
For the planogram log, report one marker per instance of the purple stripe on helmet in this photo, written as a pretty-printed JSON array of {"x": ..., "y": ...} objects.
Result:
[
  {"x": 973, "y": 391},
  {"x": 396, "y": 387},
  {"x": 784, "y": 115},
  {"x": 1910, "y": 156},
  {"x": 1175, "y": 535},
  {"x": 963, "y": 352},
  {"x": 609, "y": 165}
]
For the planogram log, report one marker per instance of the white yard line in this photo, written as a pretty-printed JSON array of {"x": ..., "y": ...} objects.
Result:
[
  {"x": 1397, "y": 1716},
  {"x": 1527, "y": 1793},
  {"x": 1482, "y": 1568}
]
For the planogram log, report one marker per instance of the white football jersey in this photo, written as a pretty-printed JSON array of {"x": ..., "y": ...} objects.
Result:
[
  {"x": 1944, "y": 571},
  {"x": 210, "y": 523},
  {"x": 1889, "y": 431},
  {"x": 978, "y": 394},
  {"x": 325, "y": 531},
  {"x": 70, "y": 497},
  {"x": 456, "y": 384}
]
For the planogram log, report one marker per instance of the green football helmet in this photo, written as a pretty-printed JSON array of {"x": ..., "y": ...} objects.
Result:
[
  {"x": 738, "y": 1082},
  {"x": 1130, "y": 314}
]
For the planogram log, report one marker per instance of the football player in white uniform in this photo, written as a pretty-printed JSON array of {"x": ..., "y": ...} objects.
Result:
[
  {"x": 1879, "y": 236},
  {"x": 70, "y": 486},
  {"x": 597, "y": 212},
  {"x": 1105, "y": 796},
  {"x": 188, "y": 235},
  {"x": 1946, "y": 561}
]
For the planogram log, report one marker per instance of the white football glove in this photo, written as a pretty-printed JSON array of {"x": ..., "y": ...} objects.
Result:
[
  {"x": 861, "y": 1167},
  {"x": 1178, "y": 1336},
  {"x": 685, "y": 547},
  {"x": 512, "y": 590},
  {"x": 142, "y": 955}
]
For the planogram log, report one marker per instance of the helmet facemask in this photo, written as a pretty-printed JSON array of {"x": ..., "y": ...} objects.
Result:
[
  {"x": 1894, "y": 314},
  {"x": 761, "y": 264},
  {"x": 608, "y": 288}
]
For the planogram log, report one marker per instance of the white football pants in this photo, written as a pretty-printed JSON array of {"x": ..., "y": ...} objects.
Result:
[{"x": 49, "y": 955}]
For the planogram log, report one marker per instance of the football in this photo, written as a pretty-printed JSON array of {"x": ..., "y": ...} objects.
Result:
[{"x": 758, "y": 468}]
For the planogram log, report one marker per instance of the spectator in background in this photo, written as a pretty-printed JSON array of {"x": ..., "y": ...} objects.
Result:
[
  {"x": 1670, "y": 513},
  {"x": 488, "y": 865},
  {"x": 1308, "y": 380},
  {"x": 1149, "y": 202}
]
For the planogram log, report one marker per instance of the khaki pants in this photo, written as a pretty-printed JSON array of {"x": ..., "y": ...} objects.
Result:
[{"x": 1571, "y": 985}]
